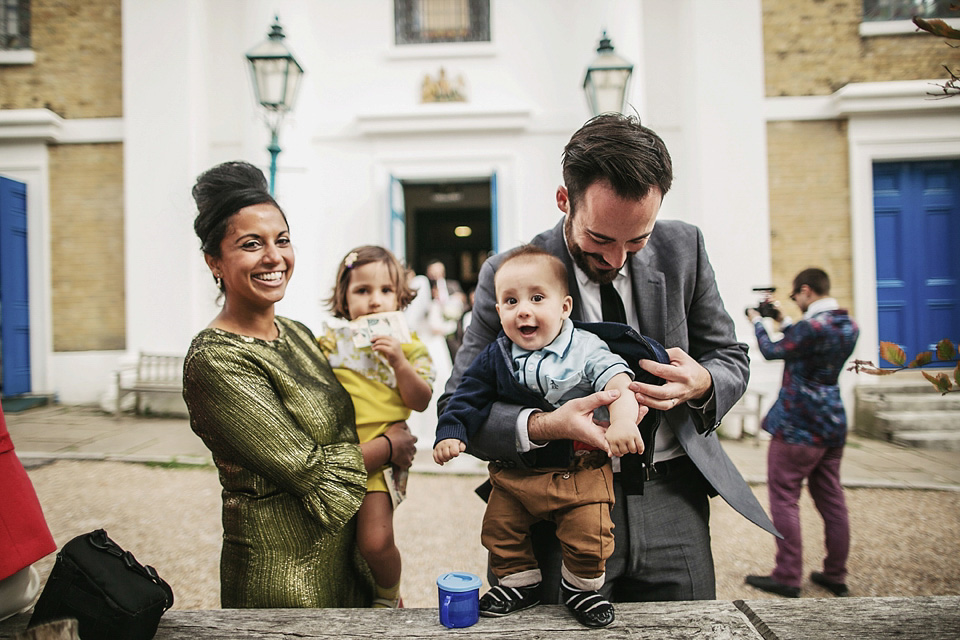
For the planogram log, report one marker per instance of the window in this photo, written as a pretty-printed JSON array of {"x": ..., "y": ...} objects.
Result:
[
  {"x": 431, "y": 21},
  {"x": 880, "y": 10},
  {"x": 14, "y": 24}
]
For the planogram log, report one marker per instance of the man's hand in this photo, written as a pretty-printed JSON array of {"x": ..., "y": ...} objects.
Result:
[
  {"x": 573, "y": 421},
  {"x": 686, "y": 379}
]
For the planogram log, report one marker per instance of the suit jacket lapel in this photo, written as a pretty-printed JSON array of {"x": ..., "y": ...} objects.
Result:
[{"x": 649, "y": 294}]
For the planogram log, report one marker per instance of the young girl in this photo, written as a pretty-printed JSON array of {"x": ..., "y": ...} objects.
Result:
[{"x": 385, "y": 380}]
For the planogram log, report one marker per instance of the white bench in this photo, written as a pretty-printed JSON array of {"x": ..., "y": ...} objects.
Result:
[
  {"x": 152, "y": 373},
  {"x": 748, "y": 408}
]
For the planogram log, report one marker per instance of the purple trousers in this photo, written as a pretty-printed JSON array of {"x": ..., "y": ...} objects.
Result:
[{"x": 787, "y": 466}]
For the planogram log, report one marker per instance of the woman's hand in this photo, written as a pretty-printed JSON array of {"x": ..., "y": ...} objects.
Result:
[{"x": 403, "y": 443}]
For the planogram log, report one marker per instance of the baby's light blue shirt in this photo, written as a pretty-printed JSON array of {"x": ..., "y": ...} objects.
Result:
[{"x": 576, "y": 364}]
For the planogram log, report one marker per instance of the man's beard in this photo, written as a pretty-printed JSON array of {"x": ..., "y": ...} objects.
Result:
[{"x": 580, "y": 257}]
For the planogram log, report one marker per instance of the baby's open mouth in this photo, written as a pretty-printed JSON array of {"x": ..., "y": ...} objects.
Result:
[{"x": 528, "y": 330}]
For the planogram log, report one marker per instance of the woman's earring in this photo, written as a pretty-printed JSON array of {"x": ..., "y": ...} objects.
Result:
[{"x": 218, "y": 280}]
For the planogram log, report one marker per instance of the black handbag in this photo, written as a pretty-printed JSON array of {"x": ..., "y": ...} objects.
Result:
[{"x": 111, "y": 595}]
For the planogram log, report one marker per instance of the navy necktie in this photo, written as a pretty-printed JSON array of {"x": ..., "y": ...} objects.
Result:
[
  {"x": 611, "y": 305},
  {"x": 631, "y": 465}
]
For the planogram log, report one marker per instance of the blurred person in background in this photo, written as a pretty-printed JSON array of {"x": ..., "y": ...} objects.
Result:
[{"x": 809, "y": 429}]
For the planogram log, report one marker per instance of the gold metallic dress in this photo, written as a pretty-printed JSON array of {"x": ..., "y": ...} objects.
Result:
[{"x": 281, "y": 430}]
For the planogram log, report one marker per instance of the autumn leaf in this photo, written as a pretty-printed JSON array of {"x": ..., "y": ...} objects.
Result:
[
  {"x": 937, "y": 28},
  {"x": 892, "y": 353},
  {"x": 940, "y": 381},
  {"x": 945, "y": 350},
  {"x": 923, "y": 358},
  {"x": 943, "y": 383}
]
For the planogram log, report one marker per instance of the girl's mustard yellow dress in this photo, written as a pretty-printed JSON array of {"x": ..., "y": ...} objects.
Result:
[
  {"x": 372, "y": 384},
  {"x": 281, "y": 430}
]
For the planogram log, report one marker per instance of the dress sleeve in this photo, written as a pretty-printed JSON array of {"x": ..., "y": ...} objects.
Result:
[
  {"x": 418, "y": 356},
  {"x": 327, "y": 340},
  {"x": 236, "y": 410}
]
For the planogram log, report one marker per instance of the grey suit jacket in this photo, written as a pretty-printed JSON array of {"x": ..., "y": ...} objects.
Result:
[{"x": 678, "y": 304}]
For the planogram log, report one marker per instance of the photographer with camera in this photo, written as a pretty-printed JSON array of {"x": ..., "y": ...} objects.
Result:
[{"x": 809, "y": 429}]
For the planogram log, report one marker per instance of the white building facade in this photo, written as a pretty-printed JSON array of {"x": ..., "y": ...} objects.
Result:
[{"x": 359, "y": 124}]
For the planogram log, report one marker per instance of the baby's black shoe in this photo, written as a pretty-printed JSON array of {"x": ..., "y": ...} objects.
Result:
[
  {"x": 502, "y": 601},
  {"x": 588, "y": 607}
]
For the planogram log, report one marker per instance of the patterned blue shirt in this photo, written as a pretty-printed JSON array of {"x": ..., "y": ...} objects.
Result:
[{"x": 809, "y": 409}]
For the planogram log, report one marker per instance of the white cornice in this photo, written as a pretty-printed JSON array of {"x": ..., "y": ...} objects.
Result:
[
  {"x": 800, "y": 108},
  {"x": 442, "y": 51},
  {"x": 17, "y": 56},
  {"x": 92, "y": 130},
  {"x": 443, "y": 118},
  {"x": 909, "y": 96},
  {"x": 886, "y": 97},
  {"x": 43, "y": 125},
  {"x": 30, "y": 124},
  {"x": 898, "y": 27}
]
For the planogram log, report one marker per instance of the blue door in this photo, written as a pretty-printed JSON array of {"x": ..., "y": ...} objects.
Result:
[
  {"x": 14, "y": 299},
  {"x": 917, "y": 226}
]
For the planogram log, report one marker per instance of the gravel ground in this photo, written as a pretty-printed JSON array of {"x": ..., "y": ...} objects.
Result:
[{"x": 905, "y": 542}]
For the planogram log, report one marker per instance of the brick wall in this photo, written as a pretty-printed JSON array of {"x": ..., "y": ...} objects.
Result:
[
  {"x": 810, "y": 205},
  {"x": 78, "y": 68},
  {"x": 813, "y": 47},
  {"x": 86, "y": 247}
]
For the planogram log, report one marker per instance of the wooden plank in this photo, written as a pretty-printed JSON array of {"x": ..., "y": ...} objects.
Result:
[
  {"x": 56, "y": 630},
  {"x": 926, "y": 618},
  {"x": 650, "y": 621},
  {"x": 929, "y": 618}
]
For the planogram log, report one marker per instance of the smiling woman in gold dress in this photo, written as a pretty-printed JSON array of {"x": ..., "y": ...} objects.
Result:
[{"x": 265, "y": 401}]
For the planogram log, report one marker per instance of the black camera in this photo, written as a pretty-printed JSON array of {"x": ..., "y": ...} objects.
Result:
[{"x": 765, "y": 308}]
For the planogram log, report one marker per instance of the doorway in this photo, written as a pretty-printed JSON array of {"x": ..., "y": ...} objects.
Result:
[
  {"x": 917, "y": 223},
  {"x": 450, "y": 221}
]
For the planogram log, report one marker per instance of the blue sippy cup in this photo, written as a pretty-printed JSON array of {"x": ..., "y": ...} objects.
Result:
[{"x": 459, "y": 599}]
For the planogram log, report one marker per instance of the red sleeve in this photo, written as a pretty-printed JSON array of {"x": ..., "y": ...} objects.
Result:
[{"x": 24, "y": 535}]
